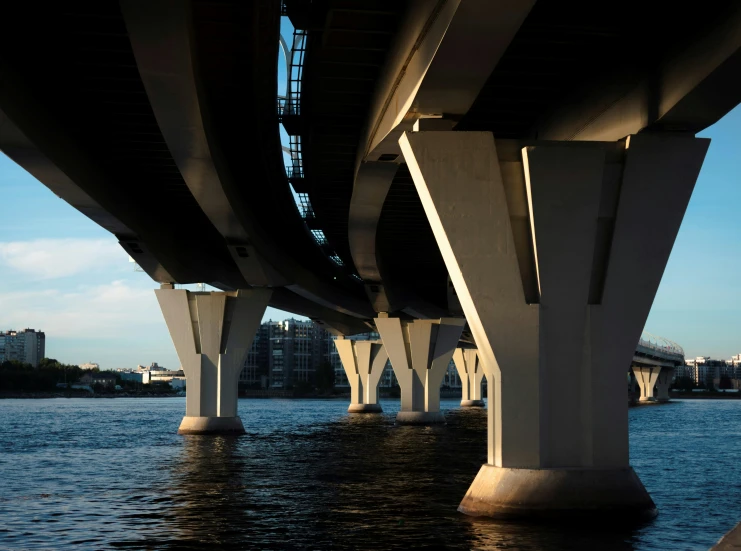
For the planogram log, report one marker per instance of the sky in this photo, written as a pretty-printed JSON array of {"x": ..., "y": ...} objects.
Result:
[{"x": 63, "y": 274}]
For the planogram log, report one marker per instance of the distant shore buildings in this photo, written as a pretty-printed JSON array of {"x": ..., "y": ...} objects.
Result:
[
  {"x": 27, "y": 346},
  {"x": 708, "y": 372},
  {"x": 153, "y": 374},
  {"x": 286, "y": 354}
]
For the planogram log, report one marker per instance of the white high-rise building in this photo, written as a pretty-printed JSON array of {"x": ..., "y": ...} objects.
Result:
[{"x": 27, "y": 346}]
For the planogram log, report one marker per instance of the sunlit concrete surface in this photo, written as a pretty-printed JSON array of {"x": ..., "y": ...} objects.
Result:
[
  {"x": 420, "y": 352},
  {"x": 501, "y": 492},
  {"x": 471, "y": 374},
  {"x": 731, "y": 541},
  {"x": 363, "y": 362},
  {"x": 212, "y": 334},
  {"x": 211, "y": 425},
  {"x": 554, "y": 306}
]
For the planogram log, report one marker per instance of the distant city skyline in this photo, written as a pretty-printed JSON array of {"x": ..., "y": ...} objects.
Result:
[{"x": 63, "y": 274}]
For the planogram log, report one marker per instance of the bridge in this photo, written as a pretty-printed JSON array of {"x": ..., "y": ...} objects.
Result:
[
  {"x": 653, "y": 367},
  {"x": 509, "y": 176}
]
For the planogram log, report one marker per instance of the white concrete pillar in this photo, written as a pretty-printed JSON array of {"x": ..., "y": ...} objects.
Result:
[
  {"x": 420, "y": 352},
  {"x": 666, "y": 375},
  {"x": 471, "y": 374},
  {"x": 212, "y": 333},
  {"x": 555, "y": 250},
  {"x": 646, "y": 378},
  {"x": 363, "y": 362}
]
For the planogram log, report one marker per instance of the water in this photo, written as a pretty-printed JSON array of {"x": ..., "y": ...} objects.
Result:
[{"x": 113, "y": 474}]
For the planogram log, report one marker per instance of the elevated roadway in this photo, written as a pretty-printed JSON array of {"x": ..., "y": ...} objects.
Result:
[{"x": 509, "y": 174}]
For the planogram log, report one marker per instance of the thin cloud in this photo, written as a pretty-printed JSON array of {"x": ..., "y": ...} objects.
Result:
[
  {"x": 44, "y": 259},
  {"x": 117, "y": 310}
]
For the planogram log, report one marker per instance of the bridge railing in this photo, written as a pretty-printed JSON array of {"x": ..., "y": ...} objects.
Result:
[
  {"x": 660, "y": 344},
  {"x": 288, "y": 106}
]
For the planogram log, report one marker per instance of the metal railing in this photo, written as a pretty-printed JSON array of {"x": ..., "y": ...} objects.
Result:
[
  {"x": 319, "y": 237},
  {"x": 304, "y": 206},
  {"x": 296, "y": 168},
  {"x": 290, "y": 103},
  {"x": 294, "y": 172},
  {"x": 660, "y": 344}
]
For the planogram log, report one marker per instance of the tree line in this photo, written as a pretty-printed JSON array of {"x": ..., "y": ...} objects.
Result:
[{"x": 19, "y": 376}]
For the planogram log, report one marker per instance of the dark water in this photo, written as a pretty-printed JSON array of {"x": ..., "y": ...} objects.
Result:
[{"x": 102, "y": 474}]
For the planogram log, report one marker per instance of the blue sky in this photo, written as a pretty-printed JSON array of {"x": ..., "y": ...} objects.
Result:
[{"x": 63, "y": 274}]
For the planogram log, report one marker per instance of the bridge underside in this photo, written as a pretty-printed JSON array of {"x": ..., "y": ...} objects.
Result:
[
  {"x": 520, "y": 167},
  {"x": 84, "y": 107}
]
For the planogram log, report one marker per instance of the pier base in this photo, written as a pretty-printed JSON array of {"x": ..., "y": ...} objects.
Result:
[
  {"x": 364, "y": 408},
  {"x": 420, "y": 352},
  {"x": 211, "y": 425},
  {"x": 472, "y": 404},
  {"x": 507, "y": 493},
  {"x": 363, "y": 362}
]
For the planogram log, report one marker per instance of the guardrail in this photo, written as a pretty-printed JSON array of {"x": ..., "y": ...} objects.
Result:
[{"x": 660, "y": 344}]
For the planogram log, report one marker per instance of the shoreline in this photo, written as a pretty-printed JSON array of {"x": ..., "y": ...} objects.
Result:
[
  {"x": 313, "y": 396},
  {"x": 260, "y": 395},
  {"x": 48, "y": 395},
  {"x": 708, "y": 396}
]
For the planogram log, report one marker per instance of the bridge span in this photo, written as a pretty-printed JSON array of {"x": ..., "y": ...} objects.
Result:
[
  {"x": 653, "y": 367},
  {"x": 509, "y": 176}
]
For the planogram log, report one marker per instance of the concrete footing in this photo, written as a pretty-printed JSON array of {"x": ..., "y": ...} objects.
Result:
[
  {"x": 364, "y": 408},
  {"x": 211, "y": 425},
  {"x": 558, "y": 493},
  {"x": 420, "y": 418},
  {"x": 472, "y": 404},
  {"x": 731, "y": 541}
]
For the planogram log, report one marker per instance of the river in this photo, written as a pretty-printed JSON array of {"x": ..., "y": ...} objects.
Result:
[{"x": 113, "y": 474}]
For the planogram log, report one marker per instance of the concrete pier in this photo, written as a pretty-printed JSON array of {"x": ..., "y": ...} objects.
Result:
[
  {"x": 212, "y": 333},
  {"x": 731, "y": 541},
  {"x": 663, "y": 383},
  {"x": 541, "y": 241},
  {"x": 420, "y": 352},
  {"x": 471, "y": 374},
  {"x": 363, "y": 362},
  {"x": 499, "y": 492},
  {"x": 646, "y": 378}
]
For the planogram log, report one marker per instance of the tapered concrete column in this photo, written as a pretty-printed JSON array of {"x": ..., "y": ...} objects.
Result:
[
  {"x": 471, "y": 374},
  {"x": 363, "y": 362},
  {"x": 663, "y": 383},
  {"x": 555, "y": 250},
  {"x": 420, "y": 352},
  {"x": 212, "y": 333},
  {"x": 646, "y": 378}
]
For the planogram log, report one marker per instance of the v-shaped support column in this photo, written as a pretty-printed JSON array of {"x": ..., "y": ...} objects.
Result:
[
  {"x": 471, "y": 374},
  {"x": 646, "y": 378},
  {"x": 420, "y": 353},
  {"x": 363, "y": 362},
  {"x": 212, "y": 333},
  {"x": 663, "y": 383},
  {"x": 555, "y": 250}
]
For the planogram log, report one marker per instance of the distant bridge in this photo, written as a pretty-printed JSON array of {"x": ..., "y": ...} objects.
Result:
[
  {"x": 653, "y": 368},
  {"x": 657, "y": 351}
]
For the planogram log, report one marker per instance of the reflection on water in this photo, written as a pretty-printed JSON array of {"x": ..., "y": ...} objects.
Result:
[{"x": 91, "y": 474}]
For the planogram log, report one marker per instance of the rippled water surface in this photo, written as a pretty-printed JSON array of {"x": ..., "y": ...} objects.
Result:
[{"x": 112, "y": 473}]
